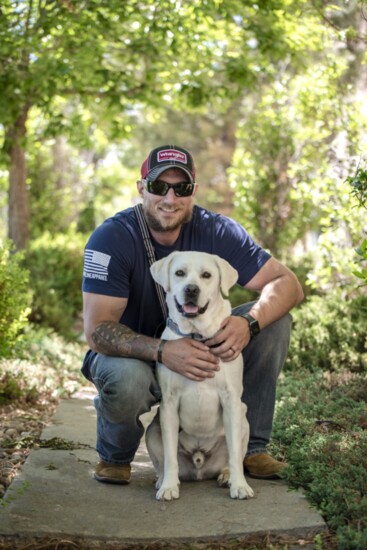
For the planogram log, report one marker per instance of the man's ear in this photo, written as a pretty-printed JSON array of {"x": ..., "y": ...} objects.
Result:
[
  {"x": 140, "y": 187},
  {"x": 160, "y": 271}
]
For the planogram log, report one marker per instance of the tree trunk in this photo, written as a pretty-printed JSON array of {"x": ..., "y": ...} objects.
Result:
[{"x": 18, "y": 206}]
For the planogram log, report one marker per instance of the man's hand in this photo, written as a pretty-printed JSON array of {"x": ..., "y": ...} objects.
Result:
[
  {"x": 233, "y": 336},
  {"x": 191, "y": 358}
]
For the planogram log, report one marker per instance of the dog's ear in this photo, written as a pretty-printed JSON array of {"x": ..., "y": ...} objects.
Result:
[
  {"x": 160, "y": 271},
  {"x": 228, "y": 275}
]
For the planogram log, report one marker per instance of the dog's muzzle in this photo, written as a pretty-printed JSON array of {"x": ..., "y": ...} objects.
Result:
[{"x": 190, "y": 308}]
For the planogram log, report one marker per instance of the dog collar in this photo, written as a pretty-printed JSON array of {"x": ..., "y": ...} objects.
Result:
[{"x": 193, "y": 335}]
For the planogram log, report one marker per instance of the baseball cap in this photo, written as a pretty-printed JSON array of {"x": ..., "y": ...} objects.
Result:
[{"x": 167, "y": 156}]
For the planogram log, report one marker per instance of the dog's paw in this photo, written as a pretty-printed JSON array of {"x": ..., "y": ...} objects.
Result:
[
  {"x": 168, "y": 493},
  {"x": 158, "y": 482},
  {"x": 223, "y": 478},
  {"x": 241, "y": 491}
]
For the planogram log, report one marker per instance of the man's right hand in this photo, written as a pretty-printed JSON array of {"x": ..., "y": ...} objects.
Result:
[{"x": 191, "y": 358}]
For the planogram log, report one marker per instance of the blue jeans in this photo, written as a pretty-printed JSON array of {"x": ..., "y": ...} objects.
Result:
[{"x": 127, "y": 388}]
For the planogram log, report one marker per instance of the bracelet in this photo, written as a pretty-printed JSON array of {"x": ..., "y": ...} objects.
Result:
[{"x": 160, "y": 350}]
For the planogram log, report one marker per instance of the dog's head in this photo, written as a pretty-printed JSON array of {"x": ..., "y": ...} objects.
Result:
[{"x": 193, "y": 282}]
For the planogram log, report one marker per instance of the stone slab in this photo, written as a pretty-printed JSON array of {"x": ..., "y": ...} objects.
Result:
[{"x": 56, "y": 496}]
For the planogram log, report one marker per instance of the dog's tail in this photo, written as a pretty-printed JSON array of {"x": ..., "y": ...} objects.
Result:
[{"x": 198, "y": 459}]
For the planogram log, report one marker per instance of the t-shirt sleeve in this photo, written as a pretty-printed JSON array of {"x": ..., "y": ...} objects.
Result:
[
  {"x": 108, "y": 257},
  {"x": 239, "y": 249}
]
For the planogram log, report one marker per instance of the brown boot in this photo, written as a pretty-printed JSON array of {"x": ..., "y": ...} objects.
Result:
[
  {"x": 112, "y": 473},
  {"x": 263, "y": 466}
]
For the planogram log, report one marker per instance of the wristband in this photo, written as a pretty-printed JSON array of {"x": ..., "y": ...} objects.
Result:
[{"x": 160, "y": 350}]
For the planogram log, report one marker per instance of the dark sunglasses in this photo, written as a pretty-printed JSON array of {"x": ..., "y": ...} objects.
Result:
[{"x": 161, "y": 188}]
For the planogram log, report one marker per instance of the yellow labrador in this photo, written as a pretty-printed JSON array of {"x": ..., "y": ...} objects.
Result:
[{"x": 201, "y": 427}]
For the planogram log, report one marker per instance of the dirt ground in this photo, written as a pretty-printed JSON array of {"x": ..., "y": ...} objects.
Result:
[{"x": 21, "y": 424}]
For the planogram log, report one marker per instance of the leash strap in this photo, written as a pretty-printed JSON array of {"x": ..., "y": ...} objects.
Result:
[{"x": 150, "y": 254}]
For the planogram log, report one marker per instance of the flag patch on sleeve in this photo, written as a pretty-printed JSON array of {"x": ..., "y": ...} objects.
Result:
[{"x": 96, "y": 264}]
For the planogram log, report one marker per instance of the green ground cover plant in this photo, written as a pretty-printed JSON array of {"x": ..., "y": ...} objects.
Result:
[{"x": 321, "y": 417}]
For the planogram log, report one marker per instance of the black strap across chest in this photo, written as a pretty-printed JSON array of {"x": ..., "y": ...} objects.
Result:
[{"x": 150, "y": 254}]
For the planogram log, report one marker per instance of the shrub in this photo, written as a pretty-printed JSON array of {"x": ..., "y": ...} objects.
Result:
[
  {"x": 55, "y": 263},
  {"x": 44, "y": 366},
  {"x": 329, "y": 333},
  {"x": 358, "y": 183},
  {"x": 321, "y": 425},
  {"x": 15, "y": 297},
  {"x": 239, "y": 295}
]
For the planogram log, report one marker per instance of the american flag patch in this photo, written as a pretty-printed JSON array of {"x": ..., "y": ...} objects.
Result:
[{"x": 96, "y": 264}]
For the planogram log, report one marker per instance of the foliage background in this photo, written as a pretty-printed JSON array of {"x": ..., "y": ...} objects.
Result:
[{"x": 271, "y": 99}]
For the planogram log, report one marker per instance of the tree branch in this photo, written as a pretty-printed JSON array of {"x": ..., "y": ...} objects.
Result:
[{"x": 359, "y": 37}]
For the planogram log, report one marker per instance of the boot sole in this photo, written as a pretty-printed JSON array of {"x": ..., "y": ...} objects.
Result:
[{"x": 102, "y": 479}]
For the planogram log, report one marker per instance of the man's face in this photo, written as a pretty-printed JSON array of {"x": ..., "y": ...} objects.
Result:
[{"x": 169, "y": 212}]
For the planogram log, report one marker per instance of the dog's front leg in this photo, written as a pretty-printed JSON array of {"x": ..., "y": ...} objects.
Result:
[
  {"x": 169, "y": 419},
  {"x": 232, "y": 419}
]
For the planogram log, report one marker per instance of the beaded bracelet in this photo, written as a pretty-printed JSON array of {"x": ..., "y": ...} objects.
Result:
[{"x": 160, "y": 350}]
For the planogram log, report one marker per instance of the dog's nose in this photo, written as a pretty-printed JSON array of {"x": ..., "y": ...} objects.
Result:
[{"x": 191, "y": 291}]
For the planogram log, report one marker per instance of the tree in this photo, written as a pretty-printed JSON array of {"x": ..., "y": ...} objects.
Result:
[
  {"x": 108, "y": 55},
  {"x": 296, "y": 142}
]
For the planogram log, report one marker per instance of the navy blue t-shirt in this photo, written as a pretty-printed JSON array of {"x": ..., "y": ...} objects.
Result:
[{"x": 116, "y": 262}]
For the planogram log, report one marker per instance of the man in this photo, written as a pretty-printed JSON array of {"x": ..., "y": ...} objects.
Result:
[{"x": 122, "y": 312}]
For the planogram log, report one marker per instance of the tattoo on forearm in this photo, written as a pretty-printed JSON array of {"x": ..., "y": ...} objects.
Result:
[{"x": 112, "y": 338}]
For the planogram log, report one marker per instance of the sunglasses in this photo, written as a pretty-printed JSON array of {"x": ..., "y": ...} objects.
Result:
[{"x": 161, "y": 188}]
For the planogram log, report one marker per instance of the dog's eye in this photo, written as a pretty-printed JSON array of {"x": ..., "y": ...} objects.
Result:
[
  {"x": 206, "y": 275},
  {"x": 180, "y": 273}
]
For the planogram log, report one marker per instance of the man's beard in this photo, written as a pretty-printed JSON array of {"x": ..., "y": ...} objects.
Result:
[{"x": 155, "y": 224}]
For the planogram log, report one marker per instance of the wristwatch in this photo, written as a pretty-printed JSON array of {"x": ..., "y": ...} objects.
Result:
[{"x": 252, "y": 323}]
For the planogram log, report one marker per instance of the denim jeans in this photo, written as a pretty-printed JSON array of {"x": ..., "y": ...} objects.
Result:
[{"x": 127, "y": 388}]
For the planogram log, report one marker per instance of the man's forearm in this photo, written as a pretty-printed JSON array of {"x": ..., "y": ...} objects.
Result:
[
  {"x": 111, "y": 338},
  {"x": 277, "y": 298}
]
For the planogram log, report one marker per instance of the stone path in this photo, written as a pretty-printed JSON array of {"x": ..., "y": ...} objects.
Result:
[{"x": 55, "y": 496}]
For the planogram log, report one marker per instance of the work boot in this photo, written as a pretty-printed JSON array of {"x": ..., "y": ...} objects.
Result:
[
  {"x": 112, "y": 473},
  {"x": 263, "y": 466}
]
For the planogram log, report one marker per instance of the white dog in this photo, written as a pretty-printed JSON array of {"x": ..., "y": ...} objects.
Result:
[{"x": 201, "y": 427}]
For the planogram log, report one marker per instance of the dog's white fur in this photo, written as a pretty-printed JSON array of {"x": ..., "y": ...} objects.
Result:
[{"x": 201, "y": 427}]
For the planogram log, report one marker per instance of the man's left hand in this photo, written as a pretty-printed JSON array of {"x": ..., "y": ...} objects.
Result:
[{"x": 233, "y": 336}]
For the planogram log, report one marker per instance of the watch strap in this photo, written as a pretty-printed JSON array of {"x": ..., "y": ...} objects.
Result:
[{"x": 252, "y": 323}]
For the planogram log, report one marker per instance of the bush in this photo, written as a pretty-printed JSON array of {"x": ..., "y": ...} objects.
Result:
[
  {"x": 44, "y": 366},
  {"x": 329, "y": 333},
  {"x": 55, "y": 263},
  {"x": 320, "y": 425},
  {"x": 358, "y": 183},
  {"x": 321, "y": 420},
  {"x": 239, "y": 295},
  {"x": 15, "y": 297}
]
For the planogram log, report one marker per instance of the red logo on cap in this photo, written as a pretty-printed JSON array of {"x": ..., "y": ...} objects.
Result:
[{"x": 172, "y": 154}]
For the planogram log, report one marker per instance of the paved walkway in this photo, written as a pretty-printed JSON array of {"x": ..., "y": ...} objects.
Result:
[{"x": 55, "y": 497}]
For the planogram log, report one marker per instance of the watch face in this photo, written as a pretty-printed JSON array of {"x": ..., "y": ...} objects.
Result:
[
  {"x": 254, "y": 328},
  {"x": 253, "y": 324}
]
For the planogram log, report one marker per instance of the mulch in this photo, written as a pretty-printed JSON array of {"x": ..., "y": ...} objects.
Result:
[{"x": 21, "y": 424}]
